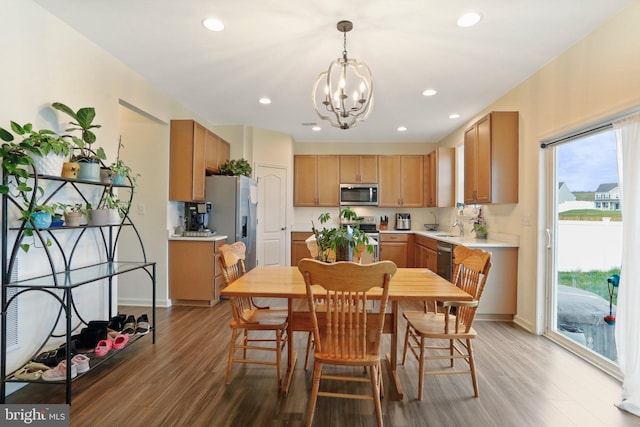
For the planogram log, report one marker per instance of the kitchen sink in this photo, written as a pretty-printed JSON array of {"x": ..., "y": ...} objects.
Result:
[{"x": 446, "y": 235}]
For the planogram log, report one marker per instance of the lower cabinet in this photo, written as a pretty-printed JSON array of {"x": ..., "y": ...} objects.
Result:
[
  {"x": 195, "y": 277},
  {"x": 397, "y": 247},
  {"x": 299, "y": 248},
  {"x": 426, "y": 253}
]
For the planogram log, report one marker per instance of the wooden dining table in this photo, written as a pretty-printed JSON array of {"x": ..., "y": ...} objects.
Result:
[{"x": 417, "y": 284}]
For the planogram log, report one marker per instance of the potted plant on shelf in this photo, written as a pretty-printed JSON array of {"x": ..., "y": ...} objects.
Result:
[
  {"x": 109, "y": 211},
  {"x": 236, "y": 168},
  {"x": 49, "y": 152},
  {"x": 118, "y": 171},
  {"x": 342, "y": 240},
  {"x": 73, "y": 214},
  {"x": 89, "y": 159}
]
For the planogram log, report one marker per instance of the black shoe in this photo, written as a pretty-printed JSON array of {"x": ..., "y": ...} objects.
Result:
[
  {"x": 129, "y": 326},
  {"x": 117, "y": 322},
  {"x": 142, "y": 326}
]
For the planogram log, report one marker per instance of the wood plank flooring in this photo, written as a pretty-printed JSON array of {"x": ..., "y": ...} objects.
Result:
[{"x": 524, "y": 380}]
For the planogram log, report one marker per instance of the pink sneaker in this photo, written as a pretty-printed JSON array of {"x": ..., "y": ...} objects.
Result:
[{"x": 59, "y": 373}]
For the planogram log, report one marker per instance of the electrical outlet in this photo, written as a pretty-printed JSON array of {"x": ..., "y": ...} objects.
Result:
[
  {"x": 141, "y": 209},
  {"x": 526, "y": 221}
]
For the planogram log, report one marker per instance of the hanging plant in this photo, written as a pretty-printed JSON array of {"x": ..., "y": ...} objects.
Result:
[{"x": 236, "y": 168}]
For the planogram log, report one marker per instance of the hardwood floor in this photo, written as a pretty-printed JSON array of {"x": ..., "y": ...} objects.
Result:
[{"x": 524, "y": 380}]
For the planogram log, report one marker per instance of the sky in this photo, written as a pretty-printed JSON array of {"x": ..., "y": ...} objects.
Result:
[{"x": 586, "y": 163}]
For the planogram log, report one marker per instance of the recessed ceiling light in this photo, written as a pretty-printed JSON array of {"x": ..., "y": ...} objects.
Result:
[
  {"x": 454, "y": 116},
  {"x": 316, "y": 128},
  {"x": 469, "y": 19},
  {"x": 429, "y": 92},
  {"x": 264, "y": 100},
  {"x": 402, "y": 128},
  {"x": 213, "y": 24}
]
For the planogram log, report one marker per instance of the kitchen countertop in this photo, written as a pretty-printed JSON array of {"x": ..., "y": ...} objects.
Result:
[
  {"x": 497, "y": 240},
  {"x": 214, "y": 238},
  {"x": 467, "y": 240}
]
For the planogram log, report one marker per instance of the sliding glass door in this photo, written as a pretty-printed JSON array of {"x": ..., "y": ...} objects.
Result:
[{"x": 584, "y": 244}]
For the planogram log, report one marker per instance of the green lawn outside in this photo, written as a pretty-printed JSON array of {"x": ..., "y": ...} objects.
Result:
[{"x": 592, "y": 281}]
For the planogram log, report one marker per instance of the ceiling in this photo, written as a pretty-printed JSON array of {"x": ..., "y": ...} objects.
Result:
[{"x": 276, "y": 48}]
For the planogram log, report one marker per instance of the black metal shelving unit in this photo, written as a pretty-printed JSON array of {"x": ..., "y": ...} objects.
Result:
[{"x": 60, "y": 282}]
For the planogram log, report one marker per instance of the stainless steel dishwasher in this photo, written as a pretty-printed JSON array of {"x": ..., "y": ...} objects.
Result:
[{"x": 445, "y": 260}]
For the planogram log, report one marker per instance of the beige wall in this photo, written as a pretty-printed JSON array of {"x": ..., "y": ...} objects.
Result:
[{"x": 596, "y": 78}]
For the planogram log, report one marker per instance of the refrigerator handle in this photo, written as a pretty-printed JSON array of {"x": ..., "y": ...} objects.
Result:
[{"x": 244, "y": 226}]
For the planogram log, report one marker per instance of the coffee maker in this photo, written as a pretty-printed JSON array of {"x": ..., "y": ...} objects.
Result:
[
  {"x": 197, "y": 216},
  {"x": 403, "y": 221}
]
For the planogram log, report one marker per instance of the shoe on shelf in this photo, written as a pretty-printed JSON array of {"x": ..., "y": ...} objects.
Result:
[
  {"x": 129, "y": 326},
  {"x": 120, "y": 341},
  {"x": 51, "y": 358},
  {"x": 103, "y": 347},
  {"x": 59, "y": 373},
  {"x": 142, "y": 326},
  {"x": 32, "y": 371},
  {"x": 82, "y": 363},
  {"x": 117, "y": 322}
]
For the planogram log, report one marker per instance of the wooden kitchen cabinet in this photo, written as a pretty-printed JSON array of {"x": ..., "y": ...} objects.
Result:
[
  {"x": 195, "y": 278},
  {"x": 217, "y": 152},
  {"x": 397, "y": 247},
  {"x": 299, "y": 248},
  {"x": 439, "y": 178},
  {"x": 316, "y": 180},
  {"x": 426, "y": 253},
  {"x": 491, "y": 159},
  {"x": 400, "y": 181},
  {"x": 187, "y": 161},
  {"x": 358, "y": 169}
]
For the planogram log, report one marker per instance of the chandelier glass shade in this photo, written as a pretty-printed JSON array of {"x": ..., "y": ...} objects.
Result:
[{"x": 343, "y": 95}]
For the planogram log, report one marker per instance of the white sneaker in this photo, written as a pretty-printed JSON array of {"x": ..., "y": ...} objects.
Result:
[
  {"x": 59, "y": 373},
  {"x": 82, "y": 363}
]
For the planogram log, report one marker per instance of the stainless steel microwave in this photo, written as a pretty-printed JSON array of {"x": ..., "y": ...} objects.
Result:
[{"x": 358, "y": 194}]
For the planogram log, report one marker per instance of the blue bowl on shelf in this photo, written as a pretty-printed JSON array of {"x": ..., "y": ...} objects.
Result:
[{"x": 57, "y": 223}]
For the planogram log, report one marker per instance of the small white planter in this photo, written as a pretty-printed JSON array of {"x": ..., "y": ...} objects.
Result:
[{"x": 50, "y": 165}]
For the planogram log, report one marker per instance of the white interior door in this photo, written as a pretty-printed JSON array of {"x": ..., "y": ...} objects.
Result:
[{"x": 272, "y": 215}]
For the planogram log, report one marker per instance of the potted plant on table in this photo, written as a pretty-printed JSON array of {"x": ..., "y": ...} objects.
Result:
[
  {"x": 88, "y": 158},
  {"x": 342, "y": 240}
]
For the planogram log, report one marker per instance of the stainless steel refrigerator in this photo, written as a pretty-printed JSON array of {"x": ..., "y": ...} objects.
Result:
[{"x": 233, "y": 210}]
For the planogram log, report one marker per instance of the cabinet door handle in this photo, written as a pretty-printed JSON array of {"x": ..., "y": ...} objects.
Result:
[{"x": 283, "y": 228}]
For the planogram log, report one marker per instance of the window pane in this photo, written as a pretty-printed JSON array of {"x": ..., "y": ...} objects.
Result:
[{"x": 588, "y": 244}]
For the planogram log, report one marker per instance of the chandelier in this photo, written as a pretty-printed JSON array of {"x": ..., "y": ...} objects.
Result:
[{"x": 347, "y": 93}]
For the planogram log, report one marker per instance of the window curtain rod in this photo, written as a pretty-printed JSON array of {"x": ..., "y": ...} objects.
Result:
[
  {"x": 576, "y": 135},
  {"x": 600, "y": 125}
]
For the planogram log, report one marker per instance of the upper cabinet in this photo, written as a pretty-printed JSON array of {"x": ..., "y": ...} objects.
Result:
[
  {"x": 316, "y": 180},
  {"x": 491, "y": 159},
  {"x": 439, "y": 178},
  {"x": 187, "y": 161},
  {"x": 217, "y": 152},
  {"x": 194, "y": 151},
  {"x": 358, "y": 169},
  {"x": 400, "y": 181}
]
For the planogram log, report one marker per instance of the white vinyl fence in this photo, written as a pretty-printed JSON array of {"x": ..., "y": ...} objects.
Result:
[{"x": 589, "y": 245}]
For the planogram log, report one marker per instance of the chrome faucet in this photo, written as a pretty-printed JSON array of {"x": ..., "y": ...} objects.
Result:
[{"x": 460, "y": 225}]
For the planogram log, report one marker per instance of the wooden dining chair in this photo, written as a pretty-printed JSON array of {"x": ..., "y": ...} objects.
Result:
[
  {"x": 247, "y": 317},
  {"x": 471, "y": 269},
  {"x": 345, "y": 333}
]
